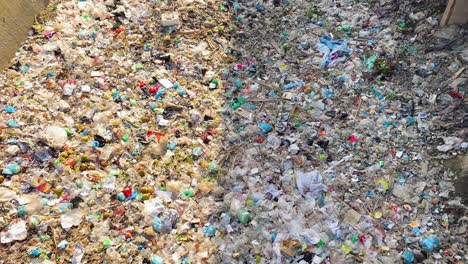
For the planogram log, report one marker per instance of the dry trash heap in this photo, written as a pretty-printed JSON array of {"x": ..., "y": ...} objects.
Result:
[
  {"x": 203, "y": 131},
  {"x": 110, "y": 134},
  {"x": 340, "y": 115}
]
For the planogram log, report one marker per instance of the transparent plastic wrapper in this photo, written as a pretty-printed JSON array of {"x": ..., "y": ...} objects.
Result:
[
  {"x": 153, "y": 207},
  {"x": 310, "y": 184},
  {"x": 78, "y": 252},
  {"x": 70, "y": 219},
  {"x": 15, "y": 232}
]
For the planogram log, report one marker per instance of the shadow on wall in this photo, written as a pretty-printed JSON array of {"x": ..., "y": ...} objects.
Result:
[{"x": 16, "y": 19}]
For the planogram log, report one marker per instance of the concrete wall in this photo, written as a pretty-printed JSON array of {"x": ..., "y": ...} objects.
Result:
[
  {"x": 455, "y": 13},
  {"x": 16, "y": 18}
]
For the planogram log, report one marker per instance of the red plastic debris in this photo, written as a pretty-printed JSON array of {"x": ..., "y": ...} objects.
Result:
[
  {"x": 154, "y": 89},
  {"x": 353, "y": 139},
  {"x": 119, "y": 211},
  {"x": 158, "y": 135},
  {"x": 129, "y": 234},
  {"x": 118, "y": 31},
  {"x": 41, "y": 187},
  {"x": 259, "y": 140},
  {"x": 362, "y": 239},
  {"x": 49, "y": 35},
  {"x": 70, "y": 162},
  {"x": 456, "y": 94},
  {"x": 205, "y": 137},
  {"x": 127, "y": 192}
]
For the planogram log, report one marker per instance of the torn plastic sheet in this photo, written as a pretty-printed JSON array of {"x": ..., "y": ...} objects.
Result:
[
  {"x": 310, "y": 184},
  {"x": 370, "y": 62},
  {"x": 334, "y": 50}
]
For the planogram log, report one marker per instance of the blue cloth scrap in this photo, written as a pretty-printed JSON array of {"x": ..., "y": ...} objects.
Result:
[{"x": 334, "y": 50}]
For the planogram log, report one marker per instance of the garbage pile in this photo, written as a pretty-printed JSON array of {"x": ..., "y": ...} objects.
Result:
[
  {"x": 111, "y": 134},
  {"x": 207, "y": 131},
  {"x": 341, "y": 115}
]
